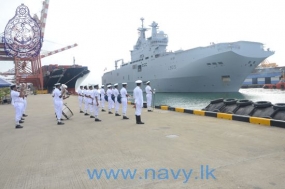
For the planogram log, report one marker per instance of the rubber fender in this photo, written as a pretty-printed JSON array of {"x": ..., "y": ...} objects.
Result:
[
  {"x": 217, "y": 101},
  {"x": 262, "y": 104},
  {"x": 216, "y": 110},
  {"x": 280, "y": 106},
  {"x": 244, "y": 102},
  {"x": 230, "y": 101}
]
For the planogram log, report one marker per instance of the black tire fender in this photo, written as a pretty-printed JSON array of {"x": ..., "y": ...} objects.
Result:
[
  {"x": 244, "y": 103},
  {"x": 262, "y": 104},
  {"x": 217, "y": 101},
  {"x": 280, "y": 106},
  {"x": 230, "y": 101}
]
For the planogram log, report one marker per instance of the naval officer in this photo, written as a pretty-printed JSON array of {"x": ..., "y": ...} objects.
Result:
[
  {"x": 124, "y": 100},
  {"x": 95, "y": 101},
  {"x": 58, "y": 102},
  {"x": 80, "y": 98},
  {"x": 90, "y": 100},
  {"x": 138, "y": 96},
  {"x": 17, "y": 102},
  {"x": 102, "y": 96},
  {"x": 116, "y": 93},
  {"x": 85, "y": 99},
  {"x": 148, "y": 96},
  {"x": 109, "y": 94}
]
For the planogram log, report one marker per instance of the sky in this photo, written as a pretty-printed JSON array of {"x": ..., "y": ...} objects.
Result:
[{"x": 106, "y": 30}]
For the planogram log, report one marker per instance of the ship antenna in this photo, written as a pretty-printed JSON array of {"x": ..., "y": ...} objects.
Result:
[{"x": 142, "y": 19}]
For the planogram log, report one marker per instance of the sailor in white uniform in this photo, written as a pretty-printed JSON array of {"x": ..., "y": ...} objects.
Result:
[
  {"x": 17, "y": 102},
  {"x": 102, "y": 94},
  {"x": 58, "y": 103},
  {"x": 109, "y": 94},
  {"x": 25, "y": 102},
  {"x": 148, "y": 96},
  {"x": 85, "y": 99},
  {"x": 138, "y": 96},
  {"x": 117, "y": 104},
  {"x": 90, "y": 100},
  {"x": 95, "y": 101},
  {"x": 80, "y": 98},
  {"x": 113, "y": 102},
  {"x": 124, "y": 100}
]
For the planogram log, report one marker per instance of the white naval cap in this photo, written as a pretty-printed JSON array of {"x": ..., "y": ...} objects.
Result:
[
  {"x": 116, "y": 84},
  {"x": 109, "y": 86},
  {"x": 147, "y": 82},
  {"x": 124, "y": 83},
  {"x": 56, "y": 84},
  {"x": 138, "y": 81}
]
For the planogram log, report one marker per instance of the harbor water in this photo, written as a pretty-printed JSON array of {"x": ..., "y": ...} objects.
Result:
[{"x": 201, "y": 100}]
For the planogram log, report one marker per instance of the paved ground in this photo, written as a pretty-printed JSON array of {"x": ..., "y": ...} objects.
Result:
[{"x": 45, "y": 155}]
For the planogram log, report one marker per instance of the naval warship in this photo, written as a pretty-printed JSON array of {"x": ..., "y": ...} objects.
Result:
[{"x": 220, "y": 67}]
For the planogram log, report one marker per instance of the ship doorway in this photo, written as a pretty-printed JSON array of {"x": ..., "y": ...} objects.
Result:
[
  {"x": 254, "y": 81},
  {"x": 268, "y": 80}
]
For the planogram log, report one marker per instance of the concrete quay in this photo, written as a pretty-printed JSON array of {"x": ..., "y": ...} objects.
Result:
[{"x": 46, "y": 155}]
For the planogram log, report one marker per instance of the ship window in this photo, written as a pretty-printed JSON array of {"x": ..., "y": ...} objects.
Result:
[
  {"x": 249, "y": 62},
  {"x": 220, "y": 63},
  {"x": 157, "y": 55},
  {"x": 146, "y": 57},
  {"x": 139, "y": 68},
  {"x": 134, "y": 66},
  {"x": 208, "y": 64},
  {"x": 214, "y": 63},
  {"x": 253, "y": 62}
]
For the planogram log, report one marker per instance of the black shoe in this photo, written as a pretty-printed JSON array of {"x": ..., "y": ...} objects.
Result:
[
  {"x": 103, "y": 110},
  {"x": 125, "y": 117},
  {"x": 21, "y": 121},
  {"x": 149, "y": 110},
  {"x": 24, "y": 115},
  {"x": 81, "y": 111},
  {"x": 116, "y": 114},
  {"x": 139, "y": 120},
  {"x": 19, "y": 127},
  {"x": 96, "y": 119},
  {"x": 92, "y": 117},
  {"x": 110, "y": 113},
  {"x": 86, "y": 114},
  {"x": 60, "y": 123},
  {"x": 61, "y": 119}
]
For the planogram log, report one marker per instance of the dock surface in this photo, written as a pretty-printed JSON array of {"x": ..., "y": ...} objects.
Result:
[{"x": 221, "y": 153}]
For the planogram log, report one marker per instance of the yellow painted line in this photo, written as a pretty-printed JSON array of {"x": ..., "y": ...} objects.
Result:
[
  {"x": 179, "y": 110},
  {"x": 225, "y": 116},
  {"x": 199, "y": 112},
  {"x": 164, "y": 107},
  {"x": 259, "y": 120}
]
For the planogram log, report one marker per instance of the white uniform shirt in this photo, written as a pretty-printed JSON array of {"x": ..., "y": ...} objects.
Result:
[
  {"x": 138, "y": 95},
  {"x": 102, "y": 92},
  {"x": 115, "y": 92},
  {"x": 15, "y": 95},
  {"x": 109, "y": 92},
  {"x": 148, "y": 90},
  {"x": 123, "y": 92},
  {"x": 57, "y": 93}
]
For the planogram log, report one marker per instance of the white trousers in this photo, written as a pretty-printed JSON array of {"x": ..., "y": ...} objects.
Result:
[
  {"x": 58, "y": 109},
  {"x": 96, "y": 110},
  {"x": 117, "y": 104},
  {"x": 25, "y": 106},
  {"x": 110, "y": 103},
  {"x": 102, "y": 101},
  {"x": 90, "y": 105},
  {"x": 148, "y": 101},
  {"x": 19, "y": 106},
  {"x": 138, "y": 109},
  {"x": 80, "y": 102},
  {"x": 85, "y": 104},
  {"x": 124, "y": 105}
]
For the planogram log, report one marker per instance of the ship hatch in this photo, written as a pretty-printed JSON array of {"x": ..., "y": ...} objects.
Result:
[{"x": 226, "y": 78}]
